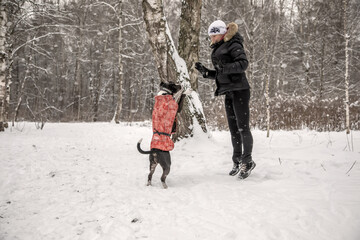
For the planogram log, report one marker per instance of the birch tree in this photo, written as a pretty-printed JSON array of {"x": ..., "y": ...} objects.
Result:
[
  {"x": 267, "y": 87},
  {"x": 347, "y": 37},
  {"x": 171, "y": 67},
  {"x": 8, "y": 11},
  {"x": 3, "y": 62}
]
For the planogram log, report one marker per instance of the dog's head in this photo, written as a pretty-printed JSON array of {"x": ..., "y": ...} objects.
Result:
[{"x": 169, "y": 88}]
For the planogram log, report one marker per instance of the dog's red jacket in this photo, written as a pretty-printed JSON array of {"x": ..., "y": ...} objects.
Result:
[{"x": 163, "y": 118}]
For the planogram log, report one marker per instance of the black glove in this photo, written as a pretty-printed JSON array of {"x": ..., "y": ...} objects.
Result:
[{"x": 202, "y": 69}]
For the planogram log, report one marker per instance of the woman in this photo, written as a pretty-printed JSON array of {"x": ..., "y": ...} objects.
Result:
[{"x": 230, "y": 62}]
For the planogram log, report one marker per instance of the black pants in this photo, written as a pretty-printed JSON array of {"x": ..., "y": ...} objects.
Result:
[{"x": 238, "y": 115}]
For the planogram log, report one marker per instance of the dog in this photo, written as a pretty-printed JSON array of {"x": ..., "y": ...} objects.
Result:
[{"x": 168, "y": 103}]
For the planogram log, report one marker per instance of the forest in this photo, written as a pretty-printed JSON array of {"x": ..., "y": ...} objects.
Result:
[{"x": 89, "y": 60}]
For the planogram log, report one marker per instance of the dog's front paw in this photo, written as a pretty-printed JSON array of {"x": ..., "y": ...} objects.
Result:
[
  {"x": 148, "y": 184},
  {"x": 164, "y": 185}
]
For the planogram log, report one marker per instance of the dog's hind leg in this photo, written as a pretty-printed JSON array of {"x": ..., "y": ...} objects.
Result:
[
  {"x": 165, "y": 163},
  {"x": 166, "y": 170},
  {"x": 153, "y": 164},
  {"x": 152, "y": 170}
]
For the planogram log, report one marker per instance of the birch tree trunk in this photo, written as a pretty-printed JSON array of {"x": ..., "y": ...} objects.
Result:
[
  {"x": 347, "y": 37},
  {"x": 171, "y": 67},
  {"x": 267, "y": 83},
  {"x": 119, "y": 103},
  {"x": 8, "y": 11},
  {"x": 3, "y": 63},
  {"x": 156, "y": 28}
]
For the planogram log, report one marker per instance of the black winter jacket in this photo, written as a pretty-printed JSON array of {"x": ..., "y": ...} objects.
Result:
[{"x": 230, "y": 62}]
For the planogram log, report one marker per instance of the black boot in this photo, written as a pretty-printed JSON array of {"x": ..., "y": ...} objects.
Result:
[
  {"x": 235, "y": 170},
  {"x": 246, "y": 169},
  {"x": 237, "y": 165}
]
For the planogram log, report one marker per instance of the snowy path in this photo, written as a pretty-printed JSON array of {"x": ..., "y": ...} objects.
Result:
[{"x": 87, "y": 181}]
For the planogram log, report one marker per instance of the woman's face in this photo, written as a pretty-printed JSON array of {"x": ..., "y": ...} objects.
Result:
[{"x": 216, "y": 38}]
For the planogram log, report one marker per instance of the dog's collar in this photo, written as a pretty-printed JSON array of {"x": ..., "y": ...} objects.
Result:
[
  {"x": 163, "y": 92},
  {"x": 166, "y": 90}
]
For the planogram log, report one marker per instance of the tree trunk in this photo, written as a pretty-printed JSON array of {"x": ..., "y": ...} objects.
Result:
[
  {"x": 3, "y": 65},
  {"x": 78, "y": 71},
  {"x": 269, "y": 71},
  {"x": 20, "y": 94},
  {"x": 155, "y": 26},
  {"x": 77, "y": 89},
  {"x": 189, "y": 43},
  {"x": 305, "y": 38},
  {"x": 347, "y": 37},
  {"x": 322, "y": 69},
  {"x": 8, "y": 12},
  {"x": 119, "y": 103},
  {"x": 267, "y": 83},
  {"x": 97, "y": 93},
  {"x": 251, "y": 47},
  {"x": 171, "y": 67}
]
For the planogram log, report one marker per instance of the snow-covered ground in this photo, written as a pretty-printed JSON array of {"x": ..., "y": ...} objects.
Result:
[{"x": 87, "y": 181}]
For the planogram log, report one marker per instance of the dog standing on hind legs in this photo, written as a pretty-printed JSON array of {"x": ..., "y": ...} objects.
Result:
[{"x": 168, "y": 103}]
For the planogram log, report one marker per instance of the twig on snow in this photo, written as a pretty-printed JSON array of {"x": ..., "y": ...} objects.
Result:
[
  {"x": 351, "y": 167},
  {"x": 323, "y": 167}
]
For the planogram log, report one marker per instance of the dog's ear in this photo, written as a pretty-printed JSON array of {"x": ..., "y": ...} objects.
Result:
[{"x": 162, "y": 84}]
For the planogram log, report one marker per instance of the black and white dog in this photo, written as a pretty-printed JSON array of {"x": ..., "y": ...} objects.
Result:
[{"x": 168, "y": 103}]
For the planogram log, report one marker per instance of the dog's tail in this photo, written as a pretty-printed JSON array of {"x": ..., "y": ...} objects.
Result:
[{"x": 140, "y": 150}]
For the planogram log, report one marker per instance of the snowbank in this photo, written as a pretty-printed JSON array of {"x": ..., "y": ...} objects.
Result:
[{"x": 87, "y": 181}]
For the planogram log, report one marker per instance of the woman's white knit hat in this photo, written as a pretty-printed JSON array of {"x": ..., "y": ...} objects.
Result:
[{"x": 217, "y": 27}]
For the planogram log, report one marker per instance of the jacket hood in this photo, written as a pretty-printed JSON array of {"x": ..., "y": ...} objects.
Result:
[{"x": 232, "y": 33}]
